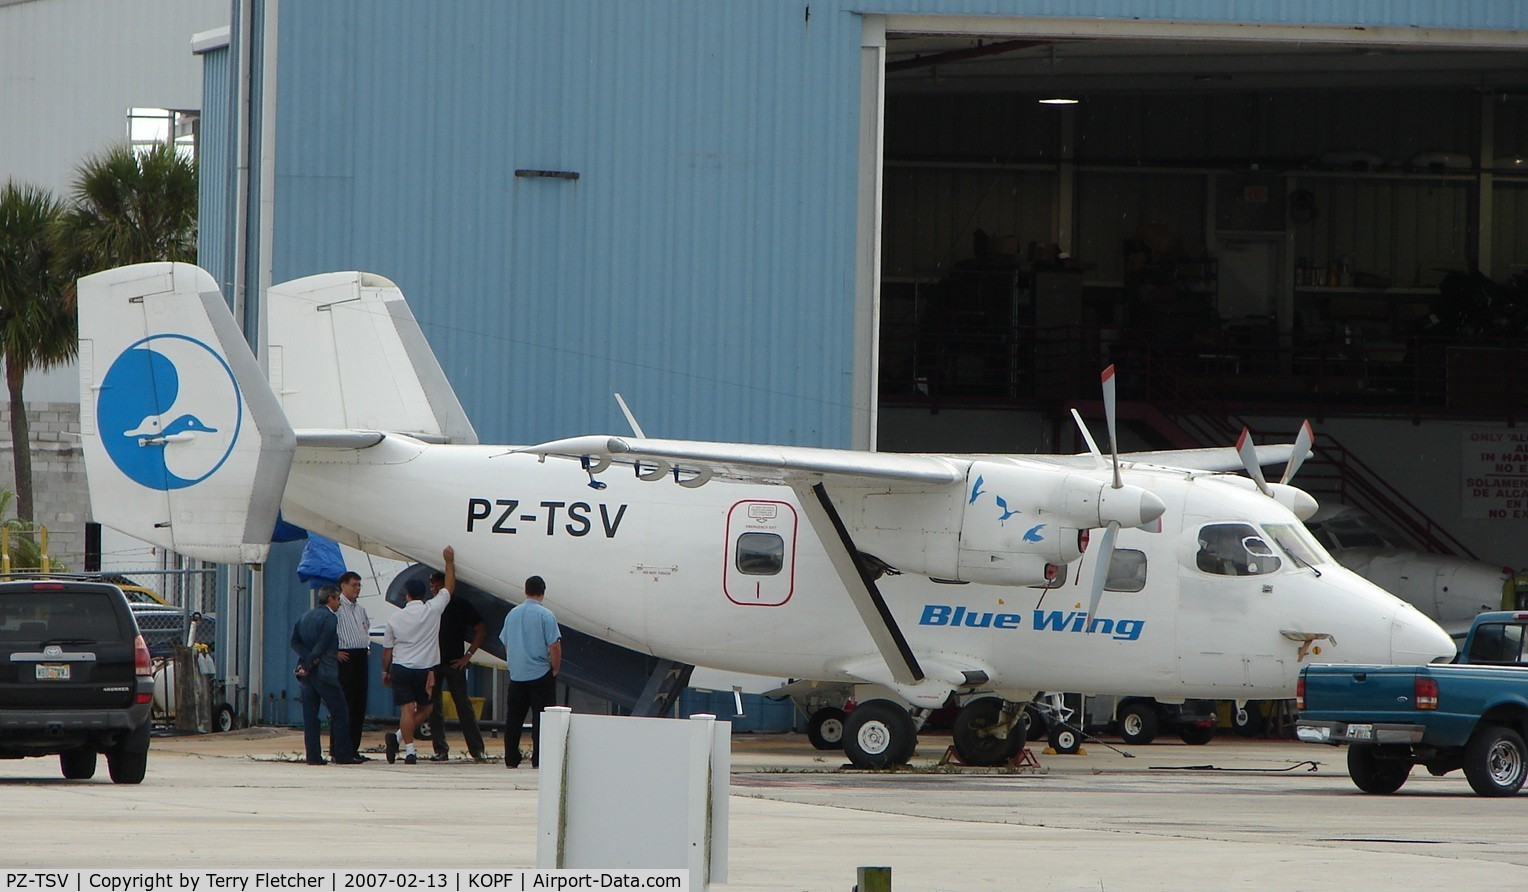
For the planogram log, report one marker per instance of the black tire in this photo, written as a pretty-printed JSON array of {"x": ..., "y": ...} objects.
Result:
[
  {"x": 1035, "y": 724},
  {"x": 1248, "y": 721},
  {"x": 223, "y": 720},
  {"x": 1065, "y": 740},
  {"x": 978, "y": 739},
  {"x": 78, "y": 764},
  {"x": 1373, "y": 772},
  {"x": 1495, "y": 761},
  {"x": 1196, "y": 735},
  {"x": 1138, "y": 723},
  {"x": 126, "y": 767},
  {"x": 423, "y": 732},
  {"x": 825, "y": 729},
  {"x": 879, "y": 734}
]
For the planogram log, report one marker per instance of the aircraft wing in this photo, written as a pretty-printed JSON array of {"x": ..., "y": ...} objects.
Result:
[
  {"x": 760, "y": 464},
  {"x": 1217, "y": 458},
  {"x": 1214, "y": 458}
]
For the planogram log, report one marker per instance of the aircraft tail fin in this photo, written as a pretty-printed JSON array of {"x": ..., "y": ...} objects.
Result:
[
  {"x": 346, "y": 353},
  {"x": 185, "y": 444}
]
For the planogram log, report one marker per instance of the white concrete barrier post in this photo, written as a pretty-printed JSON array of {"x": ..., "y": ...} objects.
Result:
[{"x": 642, "y": 793}]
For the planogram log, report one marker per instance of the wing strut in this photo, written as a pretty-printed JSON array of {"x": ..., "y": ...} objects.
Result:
[{"x": 867, "y": 598}]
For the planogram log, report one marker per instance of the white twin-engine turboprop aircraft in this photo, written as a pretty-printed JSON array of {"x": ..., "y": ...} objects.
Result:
[{"x": 929, "y": 578}]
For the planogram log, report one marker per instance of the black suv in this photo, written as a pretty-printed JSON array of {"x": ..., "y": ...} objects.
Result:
[{"x": 75, "y": 678}]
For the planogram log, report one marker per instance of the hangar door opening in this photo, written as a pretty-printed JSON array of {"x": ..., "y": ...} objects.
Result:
[{"x": 1247, "y": 219}]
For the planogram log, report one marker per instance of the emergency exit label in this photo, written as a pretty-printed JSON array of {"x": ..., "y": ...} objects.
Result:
[{"x": 1495, "y": 469}]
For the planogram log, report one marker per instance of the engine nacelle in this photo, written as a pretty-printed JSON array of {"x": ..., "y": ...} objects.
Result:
[{"x": 1007, "y": 525}]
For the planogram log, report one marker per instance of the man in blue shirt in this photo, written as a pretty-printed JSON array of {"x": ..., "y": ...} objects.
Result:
[
  {"x": 316, "y": 642},
  {"x": 533, "y": 649}
]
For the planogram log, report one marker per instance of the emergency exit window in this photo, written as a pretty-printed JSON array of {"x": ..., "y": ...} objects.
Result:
[{"x": 760, "y": 554}]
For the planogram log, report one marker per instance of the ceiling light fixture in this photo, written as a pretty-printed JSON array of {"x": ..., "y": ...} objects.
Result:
[{"x": 1059, "y": 100}]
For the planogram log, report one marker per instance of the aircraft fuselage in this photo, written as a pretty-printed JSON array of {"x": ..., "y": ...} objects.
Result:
[{"x": 730, "y": 575}]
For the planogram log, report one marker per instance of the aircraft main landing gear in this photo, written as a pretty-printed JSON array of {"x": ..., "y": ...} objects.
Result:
[{"x": 879, "y": 734}]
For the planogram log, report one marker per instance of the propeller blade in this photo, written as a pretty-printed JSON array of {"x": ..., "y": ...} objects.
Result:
[
  {"x": 1101, "y": 571},
  {"x": 1303, "y": 442},
  {"x": 1107, "y": 379},
  {"x": 1249, "y": 461}
]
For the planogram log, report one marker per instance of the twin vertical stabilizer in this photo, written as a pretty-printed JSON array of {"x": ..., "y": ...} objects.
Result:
[
  {"x": 185, "y": 445},
  {"x": 345, "y": 352}
]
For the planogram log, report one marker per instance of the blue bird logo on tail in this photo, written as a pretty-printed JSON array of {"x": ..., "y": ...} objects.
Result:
[{"x": 160, "y": 387}]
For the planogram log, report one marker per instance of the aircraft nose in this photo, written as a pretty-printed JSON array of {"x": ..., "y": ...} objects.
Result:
[{"x": 1415, "y": 639}]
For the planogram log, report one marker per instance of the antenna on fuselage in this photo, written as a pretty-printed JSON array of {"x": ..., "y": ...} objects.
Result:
[{"x": 630, "y": 418}]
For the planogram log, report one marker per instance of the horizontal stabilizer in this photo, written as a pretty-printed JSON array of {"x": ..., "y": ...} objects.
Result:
[
  {"x": 346, "y": 353},
  {"x": 185, "y": 445}
]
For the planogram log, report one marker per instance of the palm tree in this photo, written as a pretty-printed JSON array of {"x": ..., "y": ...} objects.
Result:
[
  {"x": 38, "y": 328},
  {"x": 129, "y": 207}
]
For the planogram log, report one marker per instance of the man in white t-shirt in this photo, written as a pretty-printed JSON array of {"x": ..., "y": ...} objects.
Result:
[{"x": 410, "y": 653}]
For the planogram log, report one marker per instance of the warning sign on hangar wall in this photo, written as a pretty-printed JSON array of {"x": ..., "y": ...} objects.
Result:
[{"x": 1495, "y": 470}]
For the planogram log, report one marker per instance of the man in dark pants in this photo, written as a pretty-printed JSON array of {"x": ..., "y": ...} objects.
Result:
[
  {"x": 354, "y": 655},
  {"x": 533, "y": 649},
  {"x": 457, "y": 624},
  {"x": 315, "y": 640}
]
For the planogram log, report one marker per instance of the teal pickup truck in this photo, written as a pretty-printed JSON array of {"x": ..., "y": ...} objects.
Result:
[{"x": 1471, "y": 714}]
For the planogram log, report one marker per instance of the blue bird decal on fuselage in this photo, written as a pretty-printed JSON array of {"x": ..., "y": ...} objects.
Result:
[
  {"x": 1033, "y": 534},
  {"x": 1007, "y": 512},
  {"x": 976, "y": 490}
]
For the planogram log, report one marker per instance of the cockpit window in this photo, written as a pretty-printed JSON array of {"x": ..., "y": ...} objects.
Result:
[
  {"x": 1234, "y": 549},
  {"x": 1297, "y": 542}
]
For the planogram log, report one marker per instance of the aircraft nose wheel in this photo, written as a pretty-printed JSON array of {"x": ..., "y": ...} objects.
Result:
[
  {"x": 879, "y": 734},
  {"x": 1065, "y": 740}
]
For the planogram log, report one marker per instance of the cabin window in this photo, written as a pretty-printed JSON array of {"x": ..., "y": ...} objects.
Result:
[
  {"x": 760, "y": 554},
  {"x": 1127, "y": 571},
  {"x": 1497, "y": 643},
  {"x": 1234, "y": 549}
]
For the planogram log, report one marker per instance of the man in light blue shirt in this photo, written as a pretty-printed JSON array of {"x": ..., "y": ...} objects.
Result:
[{"x": 533, "y": 649}]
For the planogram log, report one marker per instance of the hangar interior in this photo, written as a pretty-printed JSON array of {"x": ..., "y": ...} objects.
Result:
[{"x": 1331, "y": 225}]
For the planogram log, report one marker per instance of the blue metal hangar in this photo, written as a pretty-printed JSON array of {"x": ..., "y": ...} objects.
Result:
[{"x": 904, "y": 224}]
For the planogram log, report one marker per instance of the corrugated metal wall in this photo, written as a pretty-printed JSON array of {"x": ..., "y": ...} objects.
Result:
[
  {"x": 215, "y": 171},
  {"x": 701, "y": 264}
]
